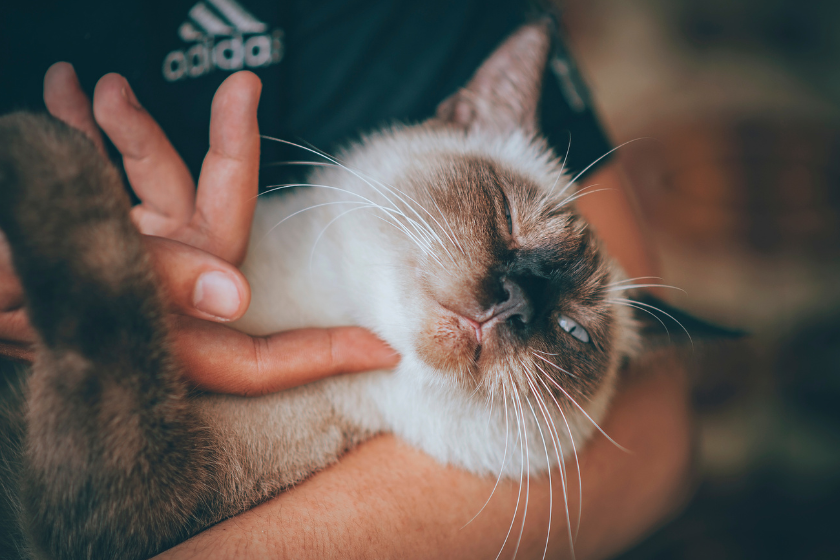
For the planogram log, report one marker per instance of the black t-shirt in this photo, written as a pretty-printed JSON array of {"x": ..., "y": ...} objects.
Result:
[{"x": 330, "y": 68}]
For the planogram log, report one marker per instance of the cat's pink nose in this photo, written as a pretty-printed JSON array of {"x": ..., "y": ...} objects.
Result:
[{"x": 515, "y": 307}]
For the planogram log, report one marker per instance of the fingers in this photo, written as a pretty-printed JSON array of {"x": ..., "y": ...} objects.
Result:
[
  {"x": 197, "y": 283},
  {"x": 66, "y": 101},
  {"x": 13, "y": 321},
  {"x": 227, "y": 188},
  {"x": 17, "y": 352},
  {"x": 219, "y": 359},
  {"x": 156, "y": 172},
  {"x": 14, "y": 326},
  {"x": 11, "y": 292}
]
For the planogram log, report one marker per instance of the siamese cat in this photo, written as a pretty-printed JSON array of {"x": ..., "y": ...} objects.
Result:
[{"x": 455, "y": 240}]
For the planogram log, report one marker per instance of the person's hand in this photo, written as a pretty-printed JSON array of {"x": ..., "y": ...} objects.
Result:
[{"x": 196, "y": 238}]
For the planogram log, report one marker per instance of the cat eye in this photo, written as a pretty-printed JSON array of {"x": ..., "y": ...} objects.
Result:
[
  {"x": 507, "y": 215},
  {"x": 573, "y": 328}
]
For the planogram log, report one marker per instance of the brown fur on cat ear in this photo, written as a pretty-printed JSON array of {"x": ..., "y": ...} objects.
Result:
[{"x": 504, "y": 93}]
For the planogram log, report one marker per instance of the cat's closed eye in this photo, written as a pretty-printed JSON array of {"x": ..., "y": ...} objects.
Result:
[
  {"x": 573, "y": 328},
  {"x": 507, "y": 214}
]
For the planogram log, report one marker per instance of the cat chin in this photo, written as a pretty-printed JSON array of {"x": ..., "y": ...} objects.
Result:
[
  {"x": 446, "y": 341},
  {"x": 522, "y": 437}
]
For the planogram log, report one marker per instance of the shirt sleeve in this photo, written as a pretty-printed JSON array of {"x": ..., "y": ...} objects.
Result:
[{"x": 568, "y": 119}]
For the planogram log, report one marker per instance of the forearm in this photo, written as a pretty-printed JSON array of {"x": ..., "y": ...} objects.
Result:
[
  {"x": 614, "y": 214},
  {"x": 388, "y": 500}
]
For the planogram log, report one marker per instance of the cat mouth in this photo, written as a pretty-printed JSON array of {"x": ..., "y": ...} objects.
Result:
[
  {"x": 483, "y": 325},
  {"x": 479, "y": 331},
  {"x": 456, "y": 343}
]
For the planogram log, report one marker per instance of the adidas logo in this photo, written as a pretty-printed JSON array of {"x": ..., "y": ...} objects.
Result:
[{"x": 224, "y": 36}]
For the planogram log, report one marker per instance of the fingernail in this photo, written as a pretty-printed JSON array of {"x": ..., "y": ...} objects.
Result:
[
  {"x": 129, "y": 96},
  {"x": 216, "y": 294}
]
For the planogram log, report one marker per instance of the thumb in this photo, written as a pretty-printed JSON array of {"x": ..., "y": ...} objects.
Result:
[{"x": 199, "y": 284}]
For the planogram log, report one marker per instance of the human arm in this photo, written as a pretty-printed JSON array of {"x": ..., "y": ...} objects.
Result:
[
  {"x": 388, "y": 500},
  {"x": 613, "y": 213}
]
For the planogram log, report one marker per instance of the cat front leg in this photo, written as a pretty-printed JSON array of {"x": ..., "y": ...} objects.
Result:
[{"x": 120, "y": 458}]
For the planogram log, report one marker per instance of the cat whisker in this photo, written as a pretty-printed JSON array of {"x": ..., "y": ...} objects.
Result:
[
  {"x": 324, "y": 229},
  {"x": 369, "y": 204},
  {"x": 491, "y": 397},
  {"x": 581, "y": 194},
  {"x": 632, "y": 286},
  {"x": 527, "y": 475},
  {"x": 504, "y": 460},
  {"x": 574, "y": 402},
  {"x": 558, "y": 451},
  {"x": 562, "y": 168},
  {"x": 548, "y": 463},
  {"x": 563, "y": 470},
  {"x": 478, "y": 386},
  {"x": 423, "y": 229},
  {"x": 391, "y": 189},
  {"x": 423, "y": 247},
  {"x": 314, "y": 206},
  {"x": 328, "y": 187},
  {"x": 633, "y": 301},
  {"x": 420, "y": 231},
  {"x": 272, "y": 188},
  {"x": 570, "y": 374},
  {"x": 574, "y": 449},
  {"x": 521, "y": 464},
  {"x": 336, "y": 162},
  {"x": 399, "y": 193},
  {"x": 651, "y": 313},
  {"x": 588, "y": 167},
  {"x": 634, "y": 279},
  {"x": 453, "y": 238},
  {"x": 561, "y": 461},
  {"x": 327, "y": 157},
  {"x": 299, "y": 162},
  {"x": 367, "y": 180}
]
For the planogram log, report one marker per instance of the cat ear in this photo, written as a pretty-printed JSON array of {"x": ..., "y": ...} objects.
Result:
[{"x": 504, "y": 93}]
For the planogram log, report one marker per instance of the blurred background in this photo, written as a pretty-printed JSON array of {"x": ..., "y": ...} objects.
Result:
[{"x": 737, "y": 104}]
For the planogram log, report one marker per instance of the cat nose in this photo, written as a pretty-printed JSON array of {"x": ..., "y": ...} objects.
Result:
[{"x": 516, "y": 305}]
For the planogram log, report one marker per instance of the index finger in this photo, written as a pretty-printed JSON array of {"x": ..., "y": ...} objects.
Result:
[
  {"x": 228, "y": 184},
  {"x": 221, "y": 360}
]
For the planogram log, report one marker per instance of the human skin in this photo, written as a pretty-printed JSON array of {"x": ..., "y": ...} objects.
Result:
[
  {"x": 384, "y": 499},
  {"x": 196, "y": 235}
]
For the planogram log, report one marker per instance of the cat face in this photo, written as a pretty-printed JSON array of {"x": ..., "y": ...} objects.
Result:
[
  {"x": 522, "y": 288},
  {"x": 505, "y": 285},
  {"x": 508, "y": 286}
]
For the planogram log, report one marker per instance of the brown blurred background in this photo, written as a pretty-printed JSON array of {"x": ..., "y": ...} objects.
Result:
[{"x": 737, "y": 104}]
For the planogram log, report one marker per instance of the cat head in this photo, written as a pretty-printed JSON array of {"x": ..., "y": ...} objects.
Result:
[{"x": 505, "y": 285}]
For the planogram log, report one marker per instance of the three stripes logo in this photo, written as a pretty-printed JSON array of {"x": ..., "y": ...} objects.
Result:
[{"x": 224, "y": 35}]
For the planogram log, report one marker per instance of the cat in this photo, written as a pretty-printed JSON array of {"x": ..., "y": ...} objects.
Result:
[{"x": 455, "y": 240}]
